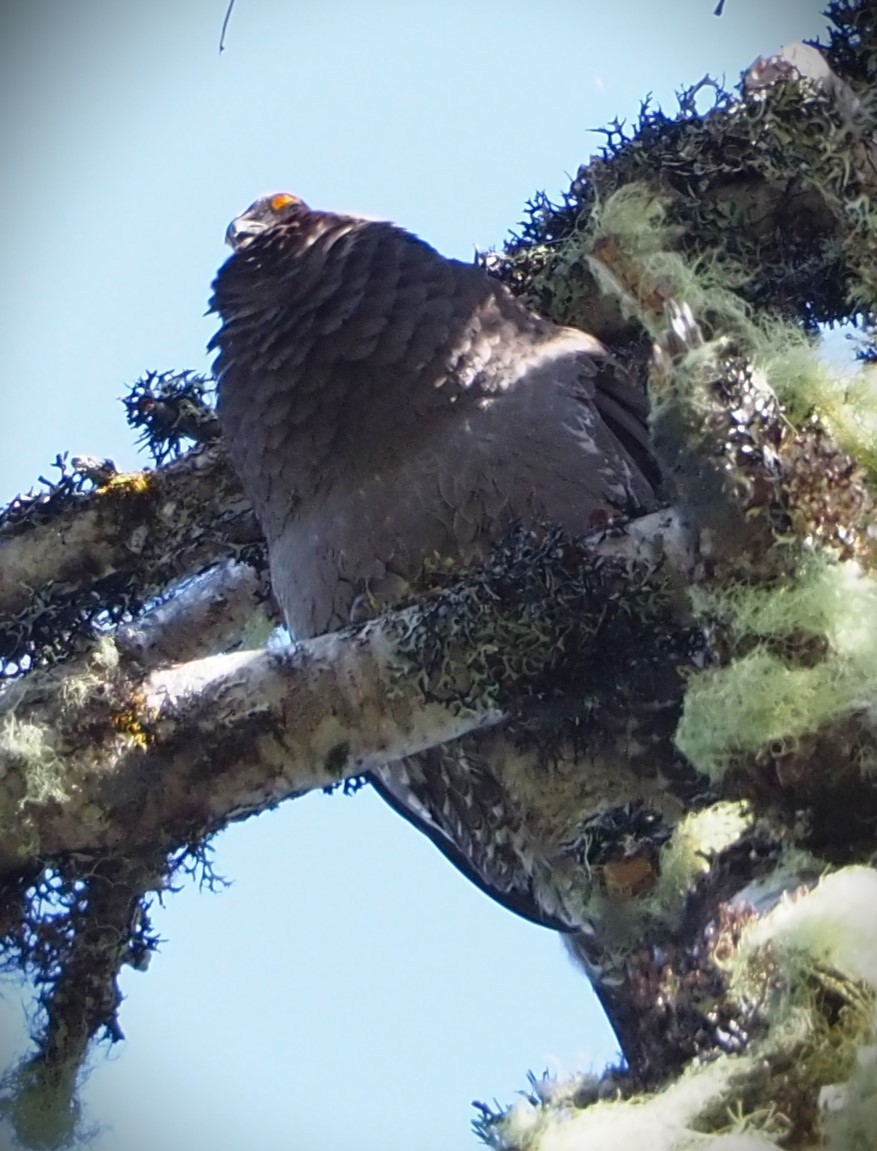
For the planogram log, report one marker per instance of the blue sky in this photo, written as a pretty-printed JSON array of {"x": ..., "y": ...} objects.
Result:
[{"x": 349, "y": 989}]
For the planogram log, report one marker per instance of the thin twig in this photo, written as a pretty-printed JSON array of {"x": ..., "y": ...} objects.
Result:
[{"x": 225, "y": 25}]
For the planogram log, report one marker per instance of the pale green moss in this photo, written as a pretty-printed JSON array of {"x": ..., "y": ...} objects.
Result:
[
  {"x": 833, "y": 925},
  {"x": 636, "y": 218},
  {"x": 24, "y": 747},
  {"x": 695, "y": 839},
  {"x": 756, "y": 702},
  {"x": 632, "y": 255},
  {"x": 761, "y": 699},
  {"x": 842, "y": 397},
  {"x": 43, "y": 1108},
  {"x": 835, "y": 601},
  {"x": 823, "y": 941},
  {"x": 667, "y": 1121},
  {"x": 826, "y": 941},
  {"x": 104, "y": 656},
  {"x": 640, "y": 266}
]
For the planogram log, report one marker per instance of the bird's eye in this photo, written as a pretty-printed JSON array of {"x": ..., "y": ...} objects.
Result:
[{"x": 281, "y": 200}]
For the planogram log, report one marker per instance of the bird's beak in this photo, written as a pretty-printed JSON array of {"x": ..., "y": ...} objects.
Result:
[
  {"x": 242, "y": 229},
  {"x": 235, "y": 234}
]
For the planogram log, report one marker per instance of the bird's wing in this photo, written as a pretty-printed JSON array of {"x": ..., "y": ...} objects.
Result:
[
  {"x": 450, "y": 795},
  {"x": 623, "y": 406}
]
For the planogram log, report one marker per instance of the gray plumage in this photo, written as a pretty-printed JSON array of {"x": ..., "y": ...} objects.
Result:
[{"x": 383, "y": 404}]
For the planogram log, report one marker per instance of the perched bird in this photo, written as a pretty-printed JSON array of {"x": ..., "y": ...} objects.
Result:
[{"x": 383, "y": 404}]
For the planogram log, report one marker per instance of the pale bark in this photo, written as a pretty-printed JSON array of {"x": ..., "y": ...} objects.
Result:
[
  {"x": 190, "y": 747},
  {"x": 152, "y": 527},
  {"x": 226, "y": 608}
]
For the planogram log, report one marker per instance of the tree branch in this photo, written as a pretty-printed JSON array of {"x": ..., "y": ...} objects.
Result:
[
  {"x": 226, "y": 608},
  {"x": 98, "y": 756},
  {"x": 116, "y": 546}
]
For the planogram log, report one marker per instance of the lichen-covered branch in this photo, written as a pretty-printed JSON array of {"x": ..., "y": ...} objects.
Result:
[
  {"x": 772, "y": 191},
  {"x": 178, "y": 754},
  {"x": 103, "y": 927},
  {"x": 80, "y": 557},
  {"x": 801, "y": 968},
  {"x": 113, "y": 763},
  {"x": 98, "y": 754}
]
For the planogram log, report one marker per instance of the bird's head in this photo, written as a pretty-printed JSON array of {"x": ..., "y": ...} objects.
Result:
[{"x": 263, "y": 213}]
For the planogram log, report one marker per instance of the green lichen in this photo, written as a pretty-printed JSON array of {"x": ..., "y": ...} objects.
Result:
[
  {"x": 696, "y": 840},
  {"x": 769, "y": 698},
  {"x": 756, "y": 702},
  {"x": 633, "y": 255},
  {"x": 811, "y": 964},
  {"x": 518, "y": 632},
  {"x": 43, "y": 1108},
  {"x": 25, "y": 748},
  {"x": 776, "y": 182}
]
